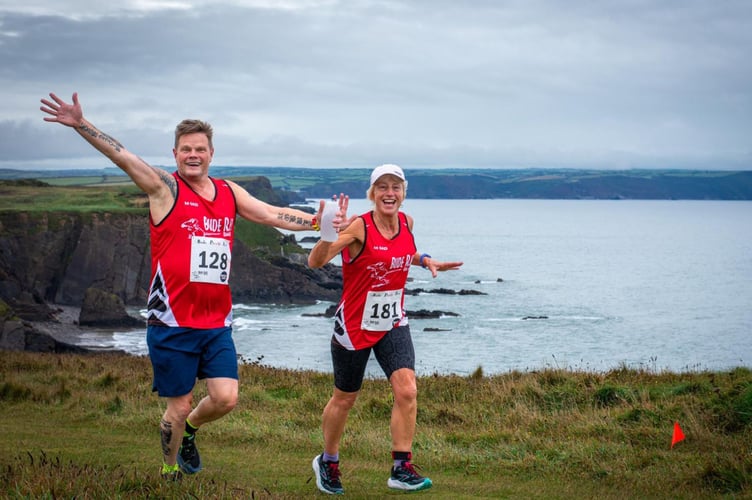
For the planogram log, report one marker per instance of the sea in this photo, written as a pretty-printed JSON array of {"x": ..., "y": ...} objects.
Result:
[{"x": 589, "y": 285}]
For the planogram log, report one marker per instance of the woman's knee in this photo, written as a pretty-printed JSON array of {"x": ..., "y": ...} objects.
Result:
[
  {"x": 343, "y": 400},
  {"x": 404, "y": 386}
]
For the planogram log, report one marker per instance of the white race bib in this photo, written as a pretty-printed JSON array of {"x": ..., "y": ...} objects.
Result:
[
  {"x": 383, "y": 310},
  {"x": 210, "y": 260}
]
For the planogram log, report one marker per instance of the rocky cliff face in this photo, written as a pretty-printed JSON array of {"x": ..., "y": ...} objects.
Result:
[
  {"x": 55, "y": 257},
  {"x": 19, "y": 335}
]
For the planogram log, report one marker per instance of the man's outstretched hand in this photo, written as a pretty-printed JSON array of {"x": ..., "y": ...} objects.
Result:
[{"x": 62, "y": 112}]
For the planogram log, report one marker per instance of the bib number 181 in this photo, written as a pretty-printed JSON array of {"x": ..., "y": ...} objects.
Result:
[{"x": 382, "y": 310}]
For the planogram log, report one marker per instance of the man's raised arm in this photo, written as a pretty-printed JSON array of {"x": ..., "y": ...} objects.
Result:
[{"x": 153, "y": 181}]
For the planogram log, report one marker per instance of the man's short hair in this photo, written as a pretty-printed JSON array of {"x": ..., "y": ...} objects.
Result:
[{"x": 193, "y": 127}]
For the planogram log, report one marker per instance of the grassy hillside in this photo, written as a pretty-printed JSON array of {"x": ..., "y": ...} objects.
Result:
[
  {"x": 86, "y": 426},
  {"x": 39, "y": 197},
  {"x": 35, "y": 196}
]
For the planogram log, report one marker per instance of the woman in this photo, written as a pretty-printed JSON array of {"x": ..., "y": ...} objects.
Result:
[{"x": 377, "y": 250}]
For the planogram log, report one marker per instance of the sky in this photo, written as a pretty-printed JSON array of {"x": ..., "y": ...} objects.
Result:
[{"x": 604, "y": 84}]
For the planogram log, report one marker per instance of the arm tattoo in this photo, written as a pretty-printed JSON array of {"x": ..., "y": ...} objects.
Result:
[
  {"x": 93, "y": 132},
  {"x": 294, "y": 219},
  {"x": 169, "y": 181},
  {"x": 165, "y": 431}
]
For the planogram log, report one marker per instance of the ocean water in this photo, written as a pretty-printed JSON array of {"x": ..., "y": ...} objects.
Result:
[{"x": 588, "y": 285}]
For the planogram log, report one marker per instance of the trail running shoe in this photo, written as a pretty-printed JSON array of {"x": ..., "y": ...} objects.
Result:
[
  {"x": 188, "y": 457},
  {"x": 171, "y": 473},
  {"x": 172, "y": 476},
  {"x": 327, "y": 476},
  {"x": 406, "y": 478}
]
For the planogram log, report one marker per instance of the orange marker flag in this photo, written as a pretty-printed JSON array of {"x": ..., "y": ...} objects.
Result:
[{"x": 678, "y": 434}]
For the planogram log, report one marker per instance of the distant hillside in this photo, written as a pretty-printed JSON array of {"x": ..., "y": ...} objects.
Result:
[
  {"x": 292, "y": 182},
  {"x": 556, "y": 184}
]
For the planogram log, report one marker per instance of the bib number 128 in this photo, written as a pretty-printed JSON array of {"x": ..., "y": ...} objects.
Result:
[
  {"x": 210, "y": 260},
  {"x": 215, "y": 260}
]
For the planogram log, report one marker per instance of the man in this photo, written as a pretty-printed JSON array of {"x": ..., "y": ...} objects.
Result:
[{"x": 192, "y": 221}]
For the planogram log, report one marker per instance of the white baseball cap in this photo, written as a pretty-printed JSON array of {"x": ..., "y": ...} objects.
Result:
[{"x": 387, "y": 169}]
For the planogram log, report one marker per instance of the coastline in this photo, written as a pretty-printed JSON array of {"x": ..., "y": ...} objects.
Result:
[{"x": 63, "y": 327}]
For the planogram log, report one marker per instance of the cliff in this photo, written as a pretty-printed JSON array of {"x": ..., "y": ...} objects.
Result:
[{"x": 55, "y": 257}]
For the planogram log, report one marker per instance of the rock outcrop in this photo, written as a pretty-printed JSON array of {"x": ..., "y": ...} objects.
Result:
[
  {"x": 54, "y": 258},
  {"x": 19, "y": 335},
  {"x": 106, "y": 310}
]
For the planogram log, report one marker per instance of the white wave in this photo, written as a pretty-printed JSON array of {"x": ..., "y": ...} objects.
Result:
[{"x": 246, "y": 307}]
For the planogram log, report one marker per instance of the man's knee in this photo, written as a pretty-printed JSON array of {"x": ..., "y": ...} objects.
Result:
[
  {"x": 227, "y": 402},
  {"x": 179, "y": 408},
  {"x": 224, "y": 394}
]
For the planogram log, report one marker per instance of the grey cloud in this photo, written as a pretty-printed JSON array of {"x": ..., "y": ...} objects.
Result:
[{"x": 488, "y": 83}]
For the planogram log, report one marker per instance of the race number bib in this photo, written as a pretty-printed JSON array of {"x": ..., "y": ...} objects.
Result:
[
  {"x": 383, "y": 310},
  {"x": 210, "y": 260}
]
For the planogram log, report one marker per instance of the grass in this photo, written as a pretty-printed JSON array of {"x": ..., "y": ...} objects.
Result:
[
  {"x": 92, "y": 180},
  {"x": 39, "y": 197},
  {"x": 85, "y": 426}
]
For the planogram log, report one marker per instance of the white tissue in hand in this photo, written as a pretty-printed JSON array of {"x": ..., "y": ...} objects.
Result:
[{"x": 328, "y": 233}]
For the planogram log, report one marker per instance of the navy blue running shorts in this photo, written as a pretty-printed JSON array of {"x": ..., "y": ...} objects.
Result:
[
  {"x": 394, "y": 351},
  {"x": 181, "y": 355}
]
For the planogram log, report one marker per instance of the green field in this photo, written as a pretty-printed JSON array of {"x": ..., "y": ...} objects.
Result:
[
  {"x": 86, "y": 426},
  {"x": 42, "y": 197}
]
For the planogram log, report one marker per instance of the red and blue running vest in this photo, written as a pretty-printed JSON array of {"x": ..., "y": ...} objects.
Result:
[{"x": 191, "y": 253}]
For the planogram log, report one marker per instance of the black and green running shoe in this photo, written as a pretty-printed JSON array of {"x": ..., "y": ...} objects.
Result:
[{"x": 188, "y": 457}]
